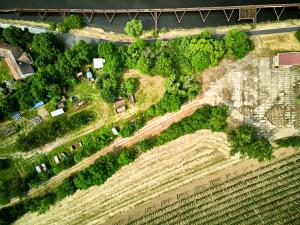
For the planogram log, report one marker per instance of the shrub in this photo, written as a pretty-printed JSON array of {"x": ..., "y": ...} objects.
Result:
[
  {"x": 52, "y": 26},
  {"x": 237, "y": 43},
  {"x": 73, "y": 21},
  {"x": 4, "y": 164},
  {"x": 293, "y": 141},
  {"x": 246, "y": 141},
  {"x": 62, "y": 27},
  {"x": 297, "y": 35},
  {"x": 134, "y": 28}
]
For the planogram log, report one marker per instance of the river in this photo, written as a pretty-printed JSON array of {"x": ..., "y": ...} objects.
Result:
[{"x": 168, "y": 20}]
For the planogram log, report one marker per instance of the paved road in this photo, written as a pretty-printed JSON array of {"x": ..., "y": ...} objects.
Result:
[{"x": 70, "y": 39}]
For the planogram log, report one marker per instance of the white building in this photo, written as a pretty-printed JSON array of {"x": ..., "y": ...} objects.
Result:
[
  {"x": 98, "y": 63},
  {"x": 57, "y": 112}
]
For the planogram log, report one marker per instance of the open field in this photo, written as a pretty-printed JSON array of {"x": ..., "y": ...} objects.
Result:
[
  {"x": 4, "y": 71},
  {"x": 156, "y": 172},
  {"x": 268, "y": 195}
]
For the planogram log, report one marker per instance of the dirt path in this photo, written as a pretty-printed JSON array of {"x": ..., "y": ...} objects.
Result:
[{"x": 153, "y": 127}]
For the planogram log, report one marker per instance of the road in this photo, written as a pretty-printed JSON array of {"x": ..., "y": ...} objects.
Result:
[{"x": 71, "y": 39}]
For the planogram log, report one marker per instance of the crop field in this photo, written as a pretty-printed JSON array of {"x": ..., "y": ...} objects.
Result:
[
  {"x": 154, "y": 173},
  {"x": 269, "y": 195}
]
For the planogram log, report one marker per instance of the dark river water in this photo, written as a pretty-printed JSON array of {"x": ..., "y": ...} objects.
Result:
[{"x": 168, "y": 20}]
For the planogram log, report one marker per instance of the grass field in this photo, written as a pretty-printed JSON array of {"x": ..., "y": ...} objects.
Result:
[
  {"x": 269, "y": 195},
  {"x": 156, "y": 172},
  {"x": 4, "y": 71}
]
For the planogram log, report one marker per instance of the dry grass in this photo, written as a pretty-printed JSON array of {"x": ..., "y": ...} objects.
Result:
[
  {"x": 150, "y": 90},
  {"x": 154, "y": 173},
  {"x": 269, "y": 44}
]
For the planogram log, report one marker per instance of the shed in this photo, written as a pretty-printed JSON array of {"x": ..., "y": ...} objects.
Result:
[
  {"x": 89, "y": 74},
  {"x": 131, "y": 99},
  {"x": 43, "y": 166},
  {"x": 115, "y": 131},
  {"x": 38, "y": 169},
  {"x": 121, "y": 109},
  {"x": 75, "y": 146},
  {"x": 16, "y": 116},
  {"x": 119, "y": 103},
  {"x": 37, "y": 120},
  {"x": 286, "y": 59},
  {"x": 98, "y": 63},
  {"x": 38, "y": 104},
  {"x": 56, "y": 160},
  {"x": 62, "y": 156},
  {"x": 57, "y": 112}
]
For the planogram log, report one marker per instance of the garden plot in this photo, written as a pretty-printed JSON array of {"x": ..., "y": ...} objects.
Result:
[{"x": 159, "y": 171}]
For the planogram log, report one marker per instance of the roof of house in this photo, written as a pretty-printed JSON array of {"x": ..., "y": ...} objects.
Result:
[
  {"x": 289, "y": 58},
  {"x": 57, "y": 112},
  {"x": 119, "y": 103},
  {"x": 89, "y": 74},
  {"x": 17, "y": 59},
  {"x": 25, "y": 58},
  {"x": 98, "y": 63},
  {"x": 38, "y": 104}
]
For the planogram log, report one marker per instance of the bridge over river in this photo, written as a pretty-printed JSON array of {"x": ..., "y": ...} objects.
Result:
[{"x": 113, "y": 14}]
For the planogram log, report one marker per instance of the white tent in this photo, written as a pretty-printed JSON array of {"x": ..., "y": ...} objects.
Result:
[
  {"x": 57, "y": 112},
  {"x": 98, "y": 63}
]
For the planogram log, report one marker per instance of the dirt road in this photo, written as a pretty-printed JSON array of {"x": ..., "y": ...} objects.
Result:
[{"x": 153, "y": 127}]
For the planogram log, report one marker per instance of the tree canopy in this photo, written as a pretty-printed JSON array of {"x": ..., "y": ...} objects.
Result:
[
  {"x": 246, "y": 141},
  {"x": 237, "y": 43},
  {"x": 134, "y": 28}
]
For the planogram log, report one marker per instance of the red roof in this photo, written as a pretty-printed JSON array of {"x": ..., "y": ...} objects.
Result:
[{"x": 289, "y": 58}]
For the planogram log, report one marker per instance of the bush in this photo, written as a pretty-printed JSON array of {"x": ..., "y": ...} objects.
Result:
[
  {"x": 134, "y": 28},
  {"x": 65, "y": 189},
  {"x": 293, "y": 141},
  {"x": 129, "y": 87},
  {"x": 237, "y": 43},
  {"x": 52, "y": 26},
  {"x": 73, "y": 21},
  {"x": 129, "y": 128},
  {"x": 246, "y": 141},
  {"x": 62, "y": 27},
  {"x": 5, "y": 164},
  {"x": 297, "y": 35}
]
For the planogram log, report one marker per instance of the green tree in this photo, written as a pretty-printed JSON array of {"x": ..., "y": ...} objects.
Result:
[
  {"x": 46, "y": 46},
  {"x": 16, "y": 36},
  {"x": 237, "y": 43},
  {"x": 73, "y": 21},
  {"x": 163, "y": 65},
  {"x": 129, "y": 86},
  {"x": 65, "y": 189},
  {"x": 246, "y": 141},
  {"x": 106, "y": 50},
  {"x": 134, "y": 28}
]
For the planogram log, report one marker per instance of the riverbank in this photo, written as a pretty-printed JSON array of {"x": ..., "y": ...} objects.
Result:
[{"x": 163, "y": 33}]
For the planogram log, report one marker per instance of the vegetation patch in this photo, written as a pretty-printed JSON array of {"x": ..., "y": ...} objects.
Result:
[
  {"x": 249, "y": 144},
  {"x": 5, "y": 74}
]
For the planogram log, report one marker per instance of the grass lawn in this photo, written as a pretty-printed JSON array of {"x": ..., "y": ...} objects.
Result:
[{"x": 4, "y": 71}]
